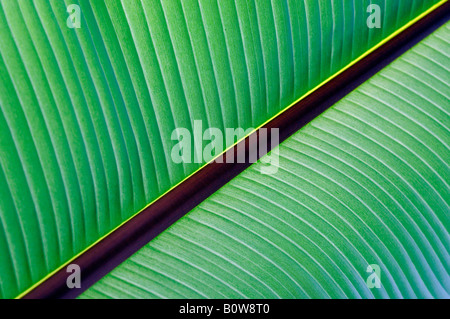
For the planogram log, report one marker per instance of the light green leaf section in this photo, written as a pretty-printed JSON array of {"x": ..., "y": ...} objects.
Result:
[
  {"x": 367, "y": 182},
  {"x": 86, "y": 115}
]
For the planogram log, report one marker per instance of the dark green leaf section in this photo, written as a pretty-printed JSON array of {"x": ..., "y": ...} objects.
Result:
[
  {"x": 364, "y": 183},
  {"x": 86, "y": 115}
]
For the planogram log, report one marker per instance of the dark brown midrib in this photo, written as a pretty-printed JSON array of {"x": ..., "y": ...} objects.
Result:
[{"x": 130, "y": 237}]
